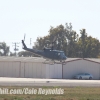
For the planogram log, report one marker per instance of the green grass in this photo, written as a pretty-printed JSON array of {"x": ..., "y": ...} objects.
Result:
[{"x": 70, "y": 93}]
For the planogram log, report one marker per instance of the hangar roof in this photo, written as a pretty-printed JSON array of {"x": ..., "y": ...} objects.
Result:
[
  {"x": 32, "y": 59},
  {"x": 22, "y": 59},
  {"x": 93, "y": 59},
  {"x": 40, "y": 59}
]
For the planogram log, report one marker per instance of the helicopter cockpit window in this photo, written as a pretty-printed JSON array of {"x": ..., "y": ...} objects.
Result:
[{"x": 58, "y": 54}]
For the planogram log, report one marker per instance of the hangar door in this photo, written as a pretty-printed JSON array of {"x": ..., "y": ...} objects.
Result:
[
  {"x": 9, "y": 69},
  {"x": 33, "y": 70},
  {"x": 54, "y": 71}
]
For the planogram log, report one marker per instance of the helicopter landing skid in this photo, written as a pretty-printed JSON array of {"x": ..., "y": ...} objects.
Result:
[
  {"x": 50, "y": 62},
  {"x": 61, "y": 62},
  {"x": 64, "y": 63}
]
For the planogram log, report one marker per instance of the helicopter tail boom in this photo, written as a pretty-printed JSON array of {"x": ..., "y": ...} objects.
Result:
[
  {"x": 37, "y": 52},
  {"x": 24, "y": 46}
]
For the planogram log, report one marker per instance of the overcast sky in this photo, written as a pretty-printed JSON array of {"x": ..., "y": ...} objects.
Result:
[{"x": 34, "y": 17}]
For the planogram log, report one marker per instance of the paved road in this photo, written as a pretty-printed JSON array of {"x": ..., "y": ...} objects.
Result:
[{"x": 47, "y": 82}]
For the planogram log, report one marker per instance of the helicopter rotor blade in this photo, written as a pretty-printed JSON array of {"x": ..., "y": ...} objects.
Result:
[{"x": 51, "y": 43}]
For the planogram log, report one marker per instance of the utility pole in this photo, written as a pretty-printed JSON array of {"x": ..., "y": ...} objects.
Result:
[{"x": 16, "y": 47}]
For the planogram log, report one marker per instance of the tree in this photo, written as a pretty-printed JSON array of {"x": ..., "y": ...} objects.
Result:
[
  {"x": 12, "y": 54},
  {"x": 92, "y": 47},
  {"x": 4, "y": 49},
  {"x": 70, "y": 42},
  {"x": 88, "y": 46},
  {"x": 66, "y": 40}
]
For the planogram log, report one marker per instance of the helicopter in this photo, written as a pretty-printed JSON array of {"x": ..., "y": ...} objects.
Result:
[{"x": 50, "y": 54}]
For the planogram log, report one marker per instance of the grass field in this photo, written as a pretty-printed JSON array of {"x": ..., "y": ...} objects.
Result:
[{"x": 70, "y": 93}]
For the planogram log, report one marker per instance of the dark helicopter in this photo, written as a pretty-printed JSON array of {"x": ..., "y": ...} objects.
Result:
[{"x": 50, "y": 54}]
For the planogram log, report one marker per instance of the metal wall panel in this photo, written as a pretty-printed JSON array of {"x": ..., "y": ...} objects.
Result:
[
  {"x": 16, "y": 69},
  {"x": 54, "y": 71},
  {"x": 9, "y": 71},
  {"x": 1, "y": 69},
  {"x": 5, "y": 71},
  {"x": 34, "y": 70},
  {"x": 43, "y": 66},
  {"x": 26, "y": 70},
  {"x": 39, "y": 70},
  {"x": 58, "y": 68},
  {"x": 51, "y": 71},
  {"x": 30, "y": 68},
  {"x": 47, "y": 71},
  {"x": 22, "y": 70}
]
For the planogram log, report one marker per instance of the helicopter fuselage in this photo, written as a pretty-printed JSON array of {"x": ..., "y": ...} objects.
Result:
[
  {"x": 54, "y": 54},
  {"x": 47, "y": 53}
]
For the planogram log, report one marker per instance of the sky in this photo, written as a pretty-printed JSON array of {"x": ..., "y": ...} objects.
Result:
[{"x": 34, "y": 18}]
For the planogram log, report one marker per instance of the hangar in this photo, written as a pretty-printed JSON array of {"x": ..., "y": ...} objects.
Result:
[
  {"x": 33, "y": 67},
  {"x": 28, "y": 67},
  {"x": 76, "y": 66}
]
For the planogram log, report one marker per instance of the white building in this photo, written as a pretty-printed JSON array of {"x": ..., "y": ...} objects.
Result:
[
  {"x": 33, "y": 67},
  {"x": 28, "y": 67}
]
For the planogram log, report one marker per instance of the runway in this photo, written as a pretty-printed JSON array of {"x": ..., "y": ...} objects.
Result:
[{"x": 47, "y": 82}]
